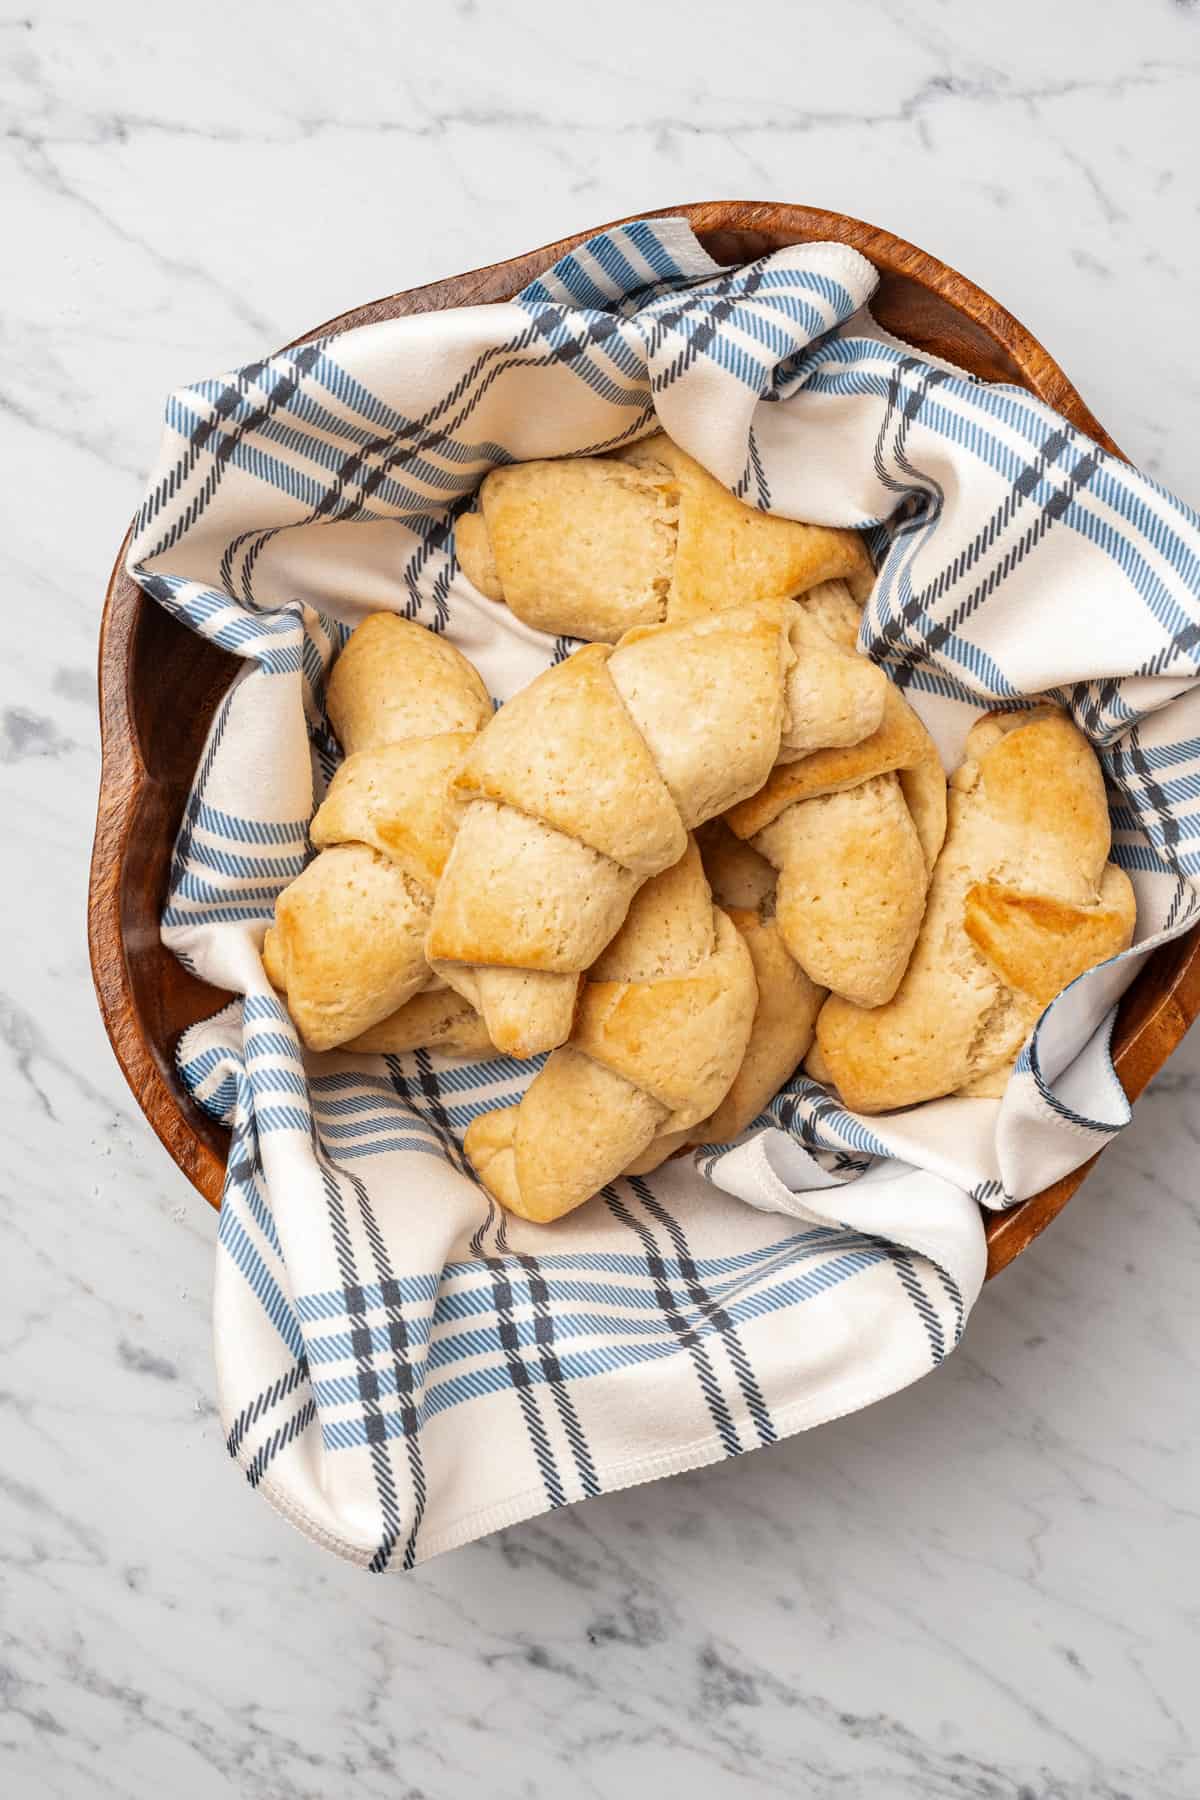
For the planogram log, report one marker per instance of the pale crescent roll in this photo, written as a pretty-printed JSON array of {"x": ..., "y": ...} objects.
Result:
[
  {"x": 590, "y": 546},
  {"x": 347, "y": 946},
  {"x": 853, "y": 831}
]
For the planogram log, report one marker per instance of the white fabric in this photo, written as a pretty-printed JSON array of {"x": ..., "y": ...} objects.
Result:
[{"x": 400, "y": 1368}]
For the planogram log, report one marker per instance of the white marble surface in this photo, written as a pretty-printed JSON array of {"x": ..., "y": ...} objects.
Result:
[{"x": 988, "y": 1587}]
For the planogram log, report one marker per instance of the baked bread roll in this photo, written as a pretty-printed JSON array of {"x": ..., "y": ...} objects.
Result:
[
  {"x": 590, "y": 546},
  {"x": 586, "y": 784},
  {"x": 854, "y": 832},
  {"x": 1023, "y": 899},
  {"x": 347, "y": 945},
  {"x": 663, "y": 1023},
  {"x": 743, "y": 885},
  {"x": 436, "y": 1019}
]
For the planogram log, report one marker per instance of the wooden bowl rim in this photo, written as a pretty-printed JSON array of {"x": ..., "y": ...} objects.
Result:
[{"x": 123, "y": 774}]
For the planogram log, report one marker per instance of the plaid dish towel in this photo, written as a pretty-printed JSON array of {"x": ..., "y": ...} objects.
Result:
[{"x": 401, "y": 1367}]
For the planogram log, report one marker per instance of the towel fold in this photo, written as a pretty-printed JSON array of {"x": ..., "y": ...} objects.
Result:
[{"x": 402, "y": 1368}]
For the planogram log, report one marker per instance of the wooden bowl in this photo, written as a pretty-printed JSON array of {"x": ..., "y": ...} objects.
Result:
[{"x": 151, "y": 743}]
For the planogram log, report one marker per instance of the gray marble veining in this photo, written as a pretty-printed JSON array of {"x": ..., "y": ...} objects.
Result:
[{"x": 988, "y": 1587}]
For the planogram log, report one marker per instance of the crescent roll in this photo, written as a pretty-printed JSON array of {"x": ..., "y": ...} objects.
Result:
[
  {"x": 853, "y": 831},
  {"x": 347, "y": 944},
  {"x": 663, "y": 1023},
  {"x": 743, "y": 884},
  {"x": 1023, "y": 899},
  {"x": 590, "y": 546}
]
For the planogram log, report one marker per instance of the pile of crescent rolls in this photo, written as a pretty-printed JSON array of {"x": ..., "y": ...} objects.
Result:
[{"x": 712, "y": 844}]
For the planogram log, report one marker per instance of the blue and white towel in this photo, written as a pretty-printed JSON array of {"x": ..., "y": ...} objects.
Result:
[{"x": 401, "y": 1368}]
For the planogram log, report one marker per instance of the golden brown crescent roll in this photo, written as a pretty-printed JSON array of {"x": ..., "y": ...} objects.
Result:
[
  {"x": 589, "y": 546},
  {"x": 854, "y": 832},
  {"x": 743, "y": 883},
  {"x": 1023, "y": 899},
  {"x": 662, "y": 1027},
  {"x": 347, "y": 944},
  {"x": 586, "y": 784},
  {"x": 396, "y": 681}
]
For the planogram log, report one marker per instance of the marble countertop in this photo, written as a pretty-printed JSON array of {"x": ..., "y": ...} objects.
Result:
[{"x": 987, "y": 1587}]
